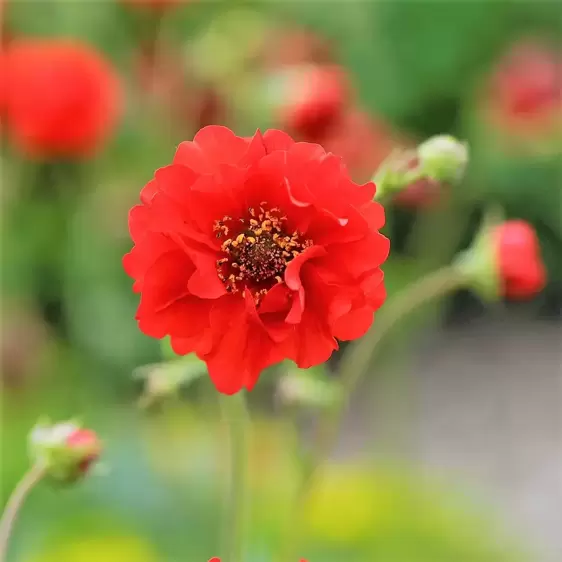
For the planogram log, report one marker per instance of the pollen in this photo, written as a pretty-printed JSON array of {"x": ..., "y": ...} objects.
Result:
[{"x": 256, "y": 255}]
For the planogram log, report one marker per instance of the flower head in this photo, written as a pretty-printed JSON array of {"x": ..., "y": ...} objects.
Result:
[
  {"x": 524, "y": 91},
  {"x": 66, "y": 450},
  {"x": 249, "y": 251},
  {"x": 521, "y": 270},
  {"x": 308, "y": 99},
  {"x": 62, "y": 97}
]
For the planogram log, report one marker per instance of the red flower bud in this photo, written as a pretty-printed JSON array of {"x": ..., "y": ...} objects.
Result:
[
  {"x": 521, "y": 269},
  {"x": 62, "y": 98},
  {"x": 65, "y": 450},
  {"x": 85, "y": 443}
]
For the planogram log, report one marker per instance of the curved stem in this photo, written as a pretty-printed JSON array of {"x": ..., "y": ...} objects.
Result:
[
  {"x": 15, "y": 502},
  {"x": 234, "y": 526},
  {"x": 356, "y": 363}
]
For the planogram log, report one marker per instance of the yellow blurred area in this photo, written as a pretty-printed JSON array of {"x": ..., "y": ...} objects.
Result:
[
  {"x": 347, "y": 504},
  {"x": 98, "y": 549}
]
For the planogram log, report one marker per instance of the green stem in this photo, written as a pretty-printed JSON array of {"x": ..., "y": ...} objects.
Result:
[
  {"x": 234, "y": 527},
  {"x": 15, "y": 502},
  {"x": 356, "y": 364}
]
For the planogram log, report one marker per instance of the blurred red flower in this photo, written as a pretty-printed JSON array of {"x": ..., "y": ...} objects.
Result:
[
  {"x": 249, "y": 251},
  {"x": 312, "y": 98},
  {"x": 521, "y": 269},
  {"x": 524, "y": 91},
  {"x": 62, "y": 98}
]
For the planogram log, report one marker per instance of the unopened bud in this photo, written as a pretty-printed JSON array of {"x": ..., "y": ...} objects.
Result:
[
  {"x": 65, "y": 450},
  {"x": 417, "y": 175},
  {"x": 504, "y": 261},
  {"x": 443, "y": 158}
]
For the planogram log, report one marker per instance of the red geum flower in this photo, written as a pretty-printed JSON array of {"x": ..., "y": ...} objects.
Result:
[
  {"x": 62, "y": 97},
  {"x": 520, "y": 267},
  {"x": 309, "y": 98},
  {"x": 249, "y": 251},
  {"x": 524, "y": 91}
]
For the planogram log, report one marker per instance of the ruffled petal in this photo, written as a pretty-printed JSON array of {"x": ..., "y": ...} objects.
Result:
[
  {"x": 354, "y": 324},
  {"x": 292, "y": 273},
  {"x": 277, "y": 140}
]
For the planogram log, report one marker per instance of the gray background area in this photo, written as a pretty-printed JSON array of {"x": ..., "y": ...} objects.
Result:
[{"x": 484, "y": 409}]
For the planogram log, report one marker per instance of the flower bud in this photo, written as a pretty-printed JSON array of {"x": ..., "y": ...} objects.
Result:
[
  {"x": 65, "y": 450},
  {"x": 505, "y": 261},
  {"x": 416, "y": 177},
  {"x": 521, "y": 269},
  {"x": 442, "y": 158}
]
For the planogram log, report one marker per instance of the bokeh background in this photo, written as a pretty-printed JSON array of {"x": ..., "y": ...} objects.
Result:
[{"x": 452, "y": 451}]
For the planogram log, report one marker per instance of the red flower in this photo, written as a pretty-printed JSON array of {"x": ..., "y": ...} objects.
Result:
[
  {"x": 522, "y": 272},
  {"x": 251, "y": 251},
  {"x": 525, "y": 89},
  {"x": 62, "y": 97},
  {"x": 313, "y": 98}
]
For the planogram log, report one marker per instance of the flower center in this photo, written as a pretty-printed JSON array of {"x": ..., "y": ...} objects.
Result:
[{"x": 256, "y": 250}]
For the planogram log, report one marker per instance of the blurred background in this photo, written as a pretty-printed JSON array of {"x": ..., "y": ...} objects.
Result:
[{"x": 452, "y": 452}]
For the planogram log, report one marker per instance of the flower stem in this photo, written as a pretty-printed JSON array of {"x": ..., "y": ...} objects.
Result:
[
  {"x": 357, "y": 361},
  {"x": 234, "y": 527},
  {"x": 26, "y": 484}
]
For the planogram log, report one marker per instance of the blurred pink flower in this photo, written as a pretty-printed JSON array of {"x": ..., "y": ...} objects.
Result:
[{"x": 524, "y": 94}]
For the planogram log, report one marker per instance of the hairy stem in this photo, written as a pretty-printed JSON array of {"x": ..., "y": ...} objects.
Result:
[
  {"x": 234, "y": 527},
  {"x": 15, "y": 502}
]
